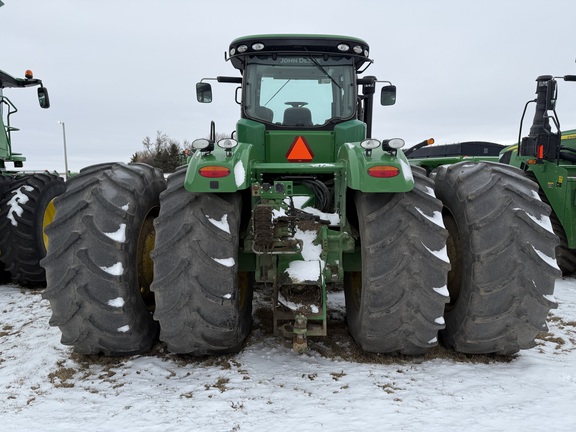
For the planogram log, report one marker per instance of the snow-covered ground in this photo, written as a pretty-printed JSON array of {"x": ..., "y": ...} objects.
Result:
[{"x": 267, "y": 387}]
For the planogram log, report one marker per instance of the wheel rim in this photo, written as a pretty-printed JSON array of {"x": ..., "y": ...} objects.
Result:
[
  {"x": 455, "y": 254},
  {"x": 47, "y": 219},
  {"x": 145, "y": 265}
]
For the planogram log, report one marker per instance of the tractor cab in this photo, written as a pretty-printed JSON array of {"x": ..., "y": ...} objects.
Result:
[
  {"x": 299, "y": 91},
  {"x": 303, "y": 83}
]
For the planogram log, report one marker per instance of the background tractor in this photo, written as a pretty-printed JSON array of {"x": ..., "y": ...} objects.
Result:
[
  {"x": 546, "y": 155},
  {"x": 25, "y": 198},
  {"x": 301, "y": 198}
]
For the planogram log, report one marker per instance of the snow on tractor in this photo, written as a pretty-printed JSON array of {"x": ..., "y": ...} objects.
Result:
[
  {"x": 25, "y": 198},
  {"x": 301, "y": 198}
]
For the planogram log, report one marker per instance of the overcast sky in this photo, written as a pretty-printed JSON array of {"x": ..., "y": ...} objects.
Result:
[{"x": 120, "y": 70}]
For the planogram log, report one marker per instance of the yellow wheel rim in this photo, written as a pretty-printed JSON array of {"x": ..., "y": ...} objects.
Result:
[
  {"x": 48, "y": 218},
  {"x": 145, "y": 265}
]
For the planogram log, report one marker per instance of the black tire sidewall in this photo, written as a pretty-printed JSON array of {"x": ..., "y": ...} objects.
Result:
[{"x": 25, "y": 239}]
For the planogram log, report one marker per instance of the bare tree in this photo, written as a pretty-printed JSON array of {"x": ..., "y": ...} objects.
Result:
[{"x": 163, "y": 152}]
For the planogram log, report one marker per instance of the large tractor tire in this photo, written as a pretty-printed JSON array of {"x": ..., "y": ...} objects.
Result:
[
  {"x": 396, "y": 303},
  {"x": 25, "y": 210},
  {"x": 98, "y": 265},
  {"x": 501, "y": 246},
  {"x": 203, "y": 301}
]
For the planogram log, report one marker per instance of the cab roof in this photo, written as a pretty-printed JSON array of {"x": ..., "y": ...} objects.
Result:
[{"x": 296, "y": 44}]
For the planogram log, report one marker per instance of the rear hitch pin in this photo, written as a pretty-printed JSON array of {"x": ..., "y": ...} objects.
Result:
[{"x": 300, "y": 341}]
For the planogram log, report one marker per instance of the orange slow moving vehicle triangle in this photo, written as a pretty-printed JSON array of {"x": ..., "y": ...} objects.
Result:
[{"x": 299, "y": 151}]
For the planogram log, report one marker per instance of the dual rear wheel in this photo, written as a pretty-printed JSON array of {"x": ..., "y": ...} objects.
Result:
[
  {"x": 117, "y": 279},
  {"x": 501, "y": 249}
]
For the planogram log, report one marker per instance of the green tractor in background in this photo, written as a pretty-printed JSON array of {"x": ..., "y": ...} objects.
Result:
[
  {"x": 546, "y": 155},
  {"x": 300, "y": 199},
  {"x": 25, "y": 198}
]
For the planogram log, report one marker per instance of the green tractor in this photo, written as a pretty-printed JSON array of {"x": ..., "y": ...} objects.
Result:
[
  {"x": 546, "y": 156},
  {"x": 299, "y": 200},
  {"x": 25, "y": 198}
]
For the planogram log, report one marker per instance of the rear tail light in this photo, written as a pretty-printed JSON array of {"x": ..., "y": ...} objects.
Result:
[
  {"x": 383, "y": 171},
  {"x": 214, "y": 171}
]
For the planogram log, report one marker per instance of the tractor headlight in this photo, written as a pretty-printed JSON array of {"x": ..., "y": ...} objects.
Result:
[
  {"x": 394, "y": 143},
  {"x": 370, "y": 144},
  {"x": 227, "y": 143},
  {"x": 200, "y": 144}
]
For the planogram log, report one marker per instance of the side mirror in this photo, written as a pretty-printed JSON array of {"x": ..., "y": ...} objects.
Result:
[
  {"x": 569, "y": 77},
  {"x": 204, "y": 92},
  {"x": 43, "y": 98},
  {"x": 388, "y": 95}
]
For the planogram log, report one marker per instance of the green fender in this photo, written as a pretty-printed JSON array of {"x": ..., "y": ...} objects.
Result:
[
  {"x": 358, "y": 166},
  {"x": 237, "y": 164}
]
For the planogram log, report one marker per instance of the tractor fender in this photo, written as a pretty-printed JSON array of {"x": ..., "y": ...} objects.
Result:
[
  {"x": 233, "y": 170},
  {"x": 358, "y": 165}
]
